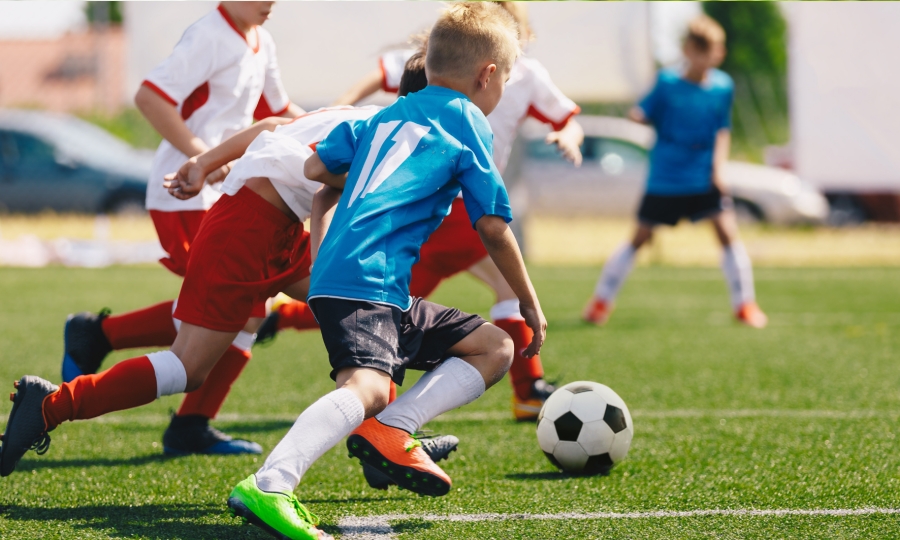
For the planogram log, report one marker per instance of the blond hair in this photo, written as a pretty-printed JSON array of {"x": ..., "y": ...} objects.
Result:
[
  {"x": 467, "y": 34},
  {"x": 704, "y": 32},
  {"x": 519, "y": 11}
]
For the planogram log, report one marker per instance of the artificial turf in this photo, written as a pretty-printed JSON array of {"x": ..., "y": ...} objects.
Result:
[{"x": 802, "y": 415}]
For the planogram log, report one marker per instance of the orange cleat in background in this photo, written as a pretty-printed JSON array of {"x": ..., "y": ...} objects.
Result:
[
  {"x": 597, "y": 312},
  {"x": 750, "y": 314}
]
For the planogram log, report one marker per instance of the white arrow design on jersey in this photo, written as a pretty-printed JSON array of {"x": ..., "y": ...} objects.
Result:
[
  {"x": 407, "y": 139},
  {"x": 381, "y": 134}
]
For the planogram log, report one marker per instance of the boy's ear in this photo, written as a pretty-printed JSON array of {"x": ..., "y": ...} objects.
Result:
[{"x": 485, "y": 74}]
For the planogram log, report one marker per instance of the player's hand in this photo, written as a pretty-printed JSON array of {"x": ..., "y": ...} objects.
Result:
[
  {"x": 187, "y": 182},
  {"x": 568, "y": 145},
  {"x": 218, "y": 175},
  {"x": 535, "y": 320}
]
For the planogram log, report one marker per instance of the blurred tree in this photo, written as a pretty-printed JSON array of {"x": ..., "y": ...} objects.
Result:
[
  {"x": 756, "y": 39},
  {"x": 104, "y": 12}
]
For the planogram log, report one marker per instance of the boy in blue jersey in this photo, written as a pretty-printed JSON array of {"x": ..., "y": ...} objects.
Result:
[
  {"x": 691, "y": 111},
  {"x": 398, "y": 173}
]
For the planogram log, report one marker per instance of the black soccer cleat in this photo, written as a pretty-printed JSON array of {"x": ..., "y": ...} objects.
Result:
[
  {"x": 192, "y": 434},
  {"x": 85, "y": 344},
  {"x": 268, "y": 329},
  {"x": 25, "y": 429},
  {"x": 438, "y": 447}
]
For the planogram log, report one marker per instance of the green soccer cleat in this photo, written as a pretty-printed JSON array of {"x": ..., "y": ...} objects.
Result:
[{"x": 279, "y": 514}]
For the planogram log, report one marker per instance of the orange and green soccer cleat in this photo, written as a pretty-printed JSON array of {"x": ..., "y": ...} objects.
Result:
[
  {"x": 597, "y": 312},
  {"x": 750, "y": 314},
  {"x": 399, "y": 456}
]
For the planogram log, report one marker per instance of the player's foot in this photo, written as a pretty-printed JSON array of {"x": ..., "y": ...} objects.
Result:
[
  {"x": 597, "y": 312},
  {"x": 26, "y": 429},
  {"x": 750, "y": 314},
  {"x": 192, "y": 434},
  {"x": 85, "y": 344},
  {"x": 399, "y": 456},
  {"x": 437, "y": 447},
  {"x": 526, "y": 410},
  {"x": 279, "y": 514}
]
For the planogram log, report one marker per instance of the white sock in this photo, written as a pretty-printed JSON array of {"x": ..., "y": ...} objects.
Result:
[
  {"x": 616, "y": 269},
  {"x": 243, "y": 341},
  {"x": 453, "y": 384},
  {"x": 321, "y": 426},
  {"x": 171, "y": 378},
  {"x": 738, "y": 274},
  {"x": 506, "y": 310}
]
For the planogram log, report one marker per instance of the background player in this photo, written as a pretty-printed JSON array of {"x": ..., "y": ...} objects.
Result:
[
  {"x": 455, "y": 246},
  {"x": 395, "y": 196},
  {"x": 691, "y": 111},
  {"x": 221, "y": 74}
]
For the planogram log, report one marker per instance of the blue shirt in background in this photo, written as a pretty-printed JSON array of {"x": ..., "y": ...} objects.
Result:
[
  {"x": 406, "y": 164},
  {"x": 687, "y": 117}
]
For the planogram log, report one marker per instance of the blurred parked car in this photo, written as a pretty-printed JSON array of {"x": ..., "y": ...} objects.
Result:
[
  {"x": 59, "y": 162},
  {"x": 612, "y": 178}
]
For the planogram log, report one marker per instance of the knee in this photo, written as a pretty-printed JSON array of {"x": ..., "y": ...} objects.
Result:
[
  {"x": 502, "y": 351},
  {"x": 195, "y": 380}
]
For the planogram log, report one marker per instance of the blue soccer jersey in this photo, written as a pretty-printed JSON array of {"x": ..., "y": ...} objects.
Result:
[
  {"x": 405, "y": 166},
  {"x": 687, "y": 117}
]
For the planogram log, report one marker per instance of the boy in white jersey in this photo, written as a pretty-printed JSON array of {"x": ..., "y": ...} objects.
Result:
[
  {"x": 221, "y": 75},
  {"x": 454, "y": 246},
  {"x": 399, "y": 172}
]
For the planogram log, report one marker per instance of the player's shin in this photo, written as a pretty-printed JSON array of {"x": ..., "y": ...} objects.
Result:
[
  {"x": 524, "y": 371},
  {"x": 453, "y": 384},
  {"x": 738, "y": 272},
  {"x": 321, "y": 426},
  {"x": 616, "y": 269},
  {"x": 126, "y": 385}
]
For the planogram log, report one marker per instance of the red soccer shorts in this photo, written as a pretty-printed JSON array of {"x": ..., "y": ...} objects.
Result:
[
  {"x": 176, "y": 232},
  {"x": 453, "y": 247},
  {"x": 245, "y": 252}
]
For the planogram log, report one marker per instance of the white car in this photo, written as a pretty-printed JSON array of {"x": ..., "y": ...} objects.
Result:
[{"x": 611, "y": 179}]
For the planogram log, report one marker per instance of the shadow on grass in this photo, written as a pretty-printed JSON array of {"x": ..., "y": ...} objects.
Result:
[
  {"x": 171, "y": 521},
  {"x": 254, "y": 427},
  {"x": 38, "y": 464},
  {"x": 543, "y": 475}
]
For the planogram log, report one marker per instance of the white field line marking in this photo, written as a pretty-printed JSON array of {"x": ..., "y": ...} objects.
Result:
[
  {"x": 492, "y": 416},
  {"x": 379, "y": 527}
]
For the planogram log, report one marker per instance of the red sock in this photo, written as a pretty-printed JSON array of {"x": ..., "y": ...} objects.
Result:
[
  {"x": 524, "y": 371},
  {"x": 296, "y": 315},
  {"x": 207, "y": 400},
  {"x": 148, "y": 327},
  {"x": 126, "y": 385}
]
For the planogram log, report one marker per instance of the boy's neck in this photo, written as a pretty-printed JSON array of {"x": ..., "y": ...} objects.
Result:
[
  {"x": 452, "y": 84},
  {"x": 695, "y": 74}
]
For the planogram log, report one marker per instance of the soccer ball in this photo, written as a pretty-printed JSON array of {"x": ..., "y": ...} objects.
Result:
[{"x": 585, "y": 428}]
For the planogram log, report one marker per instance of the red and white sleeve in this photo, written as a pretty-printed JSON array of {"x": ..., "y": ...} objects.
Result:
[
  {"x": 274, "y": 100},
  {"x": 548, "y": 104},
  {"x": 392, "y": 64},
  {"x": 189, "y": 67}
]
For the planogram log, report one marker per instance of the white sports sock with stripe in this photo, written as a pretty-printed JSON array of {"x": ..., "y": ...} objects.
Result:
[
  {"x": 738, "y": 272},
  {"x": 321, "y": 426},
  {"x": 453, "y": 384},
  {"x": 616, "y": 269}
]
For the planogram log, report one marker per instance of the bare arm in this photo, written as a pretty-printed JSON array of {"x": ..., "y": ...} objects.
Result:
[
  {"x": 720, "y": 158},
  {"x": 212, "y": 165},
  {"x": 636, "y": 114},
  {"x": 323, "y": 206},
  {"x": 165, "y": 118},
  {"x": 501, "y": 245},
  {"x": 293, "y": 111},
  {"x": 362, "y": 89},
  {"x": 568, "y": 140},
  {"x": 316, "y": 171}
]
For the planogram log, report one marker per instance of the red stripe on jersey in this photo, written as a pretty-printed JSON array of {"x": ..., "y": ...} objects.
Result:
[
  {"x": 230, "y": 22},
  {"x": 314, "y": 145},
  {"x": 263, "y": 110},
  {"x": 160, "y": 92},
  {"x": 197, "y": 99},
  {"x": 539, "y": 116},
  {"x": 384, "y": 81}
]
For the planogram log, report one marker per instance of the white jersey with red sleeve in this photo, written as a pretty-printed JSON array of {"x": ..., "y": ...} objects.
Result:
[
  {"x": 529, "y": 92},
  {"x": 281, "y": 154},
  {"x": 218, "y": 83}
]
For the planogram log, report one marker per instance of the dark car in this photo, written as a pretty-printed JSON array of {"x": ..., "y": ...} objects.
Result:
[{"x": 61, "y": 163}]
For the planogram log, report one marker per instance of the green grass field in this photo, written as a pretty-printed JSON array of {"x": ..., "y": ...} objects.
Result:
[{"x": 800, "y": 416}]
